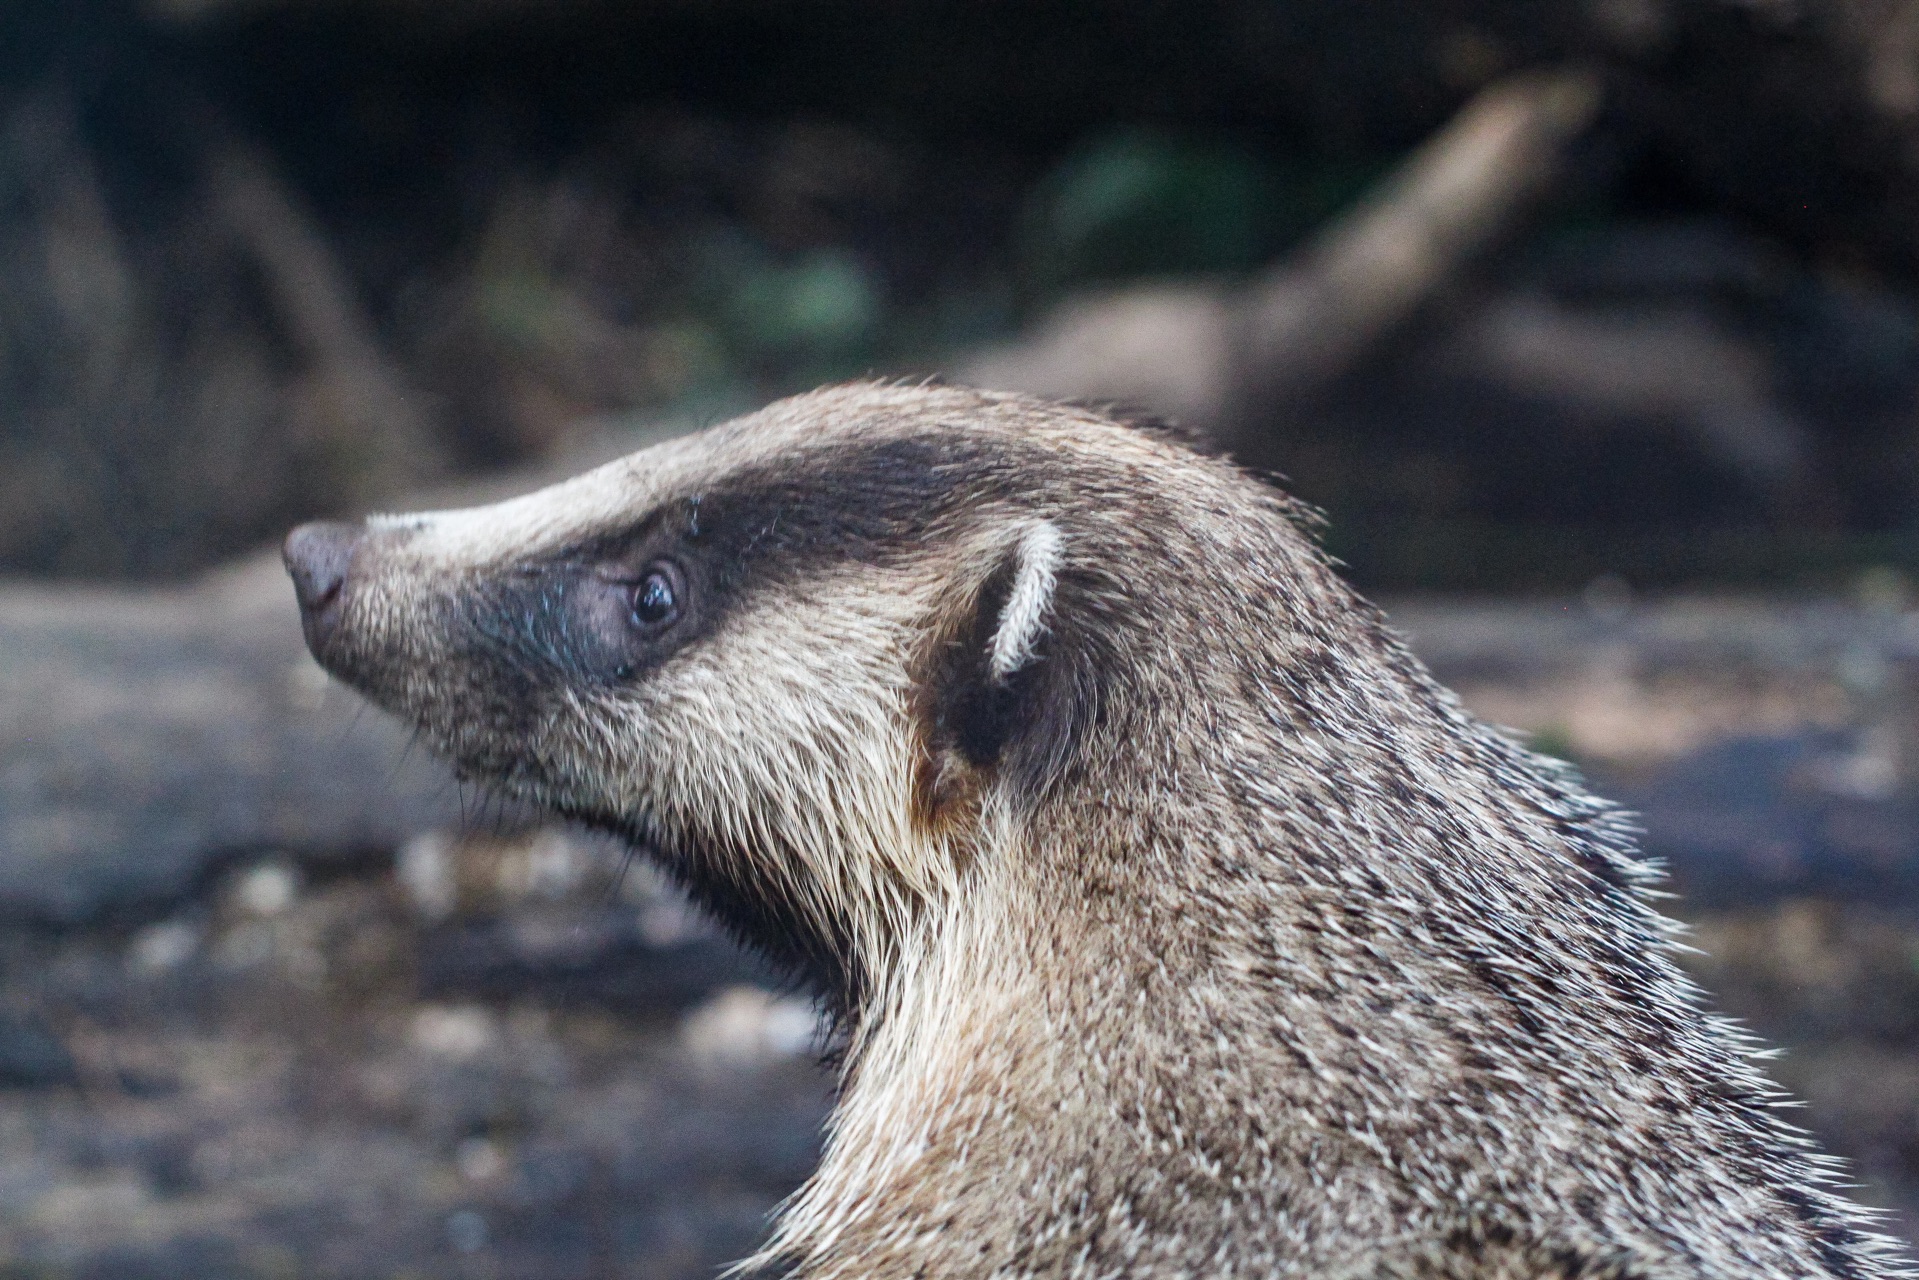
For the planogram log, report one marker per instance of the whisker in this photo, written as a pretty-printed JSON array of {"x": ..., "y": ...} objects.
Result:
[{"x": 618, "y": 886}]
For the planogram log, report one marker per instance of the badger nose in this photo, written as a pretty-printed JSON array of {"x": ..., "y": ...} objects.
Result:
[{"x": 318, "y": 557}]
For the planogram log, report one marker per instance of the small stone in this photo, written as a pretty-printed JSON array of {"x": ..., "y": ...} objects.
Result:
[
  {"x": 425, "y": 869},
  {"x": 479, "y": 1160},
  {"x": 554, "y": 865},
  {"x": 670, "y": 921},
  {"x": 792, "y": 1028},
  {"x": 162, "y": 948},
  {"x": 268, "y": 890},
  {"x": 458, "y": 1032},
  {"x": 466, "y": 1230},
  {"x": 748, "y": 1026}
]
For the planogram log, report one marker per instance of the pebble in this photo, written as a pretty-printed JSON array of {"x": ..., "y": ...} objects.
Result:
[
  {"x": 749, "y": 1026},
  {"x": 268, "y": 890},
  {"x": 479, "y": 1160},
  {"x": 162, "y": 948},
  {"x": 460, "y": 1033},
  {"x": 466, "y": 1230},
  {"x": 425, "y": 870}
]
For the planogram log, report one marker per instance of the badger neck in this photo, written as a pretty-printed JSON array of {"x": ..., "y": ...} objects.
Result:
[
  {"x": 977, "y": 1026},
  {"x": 1262, "y": 1018},
  {"x": 1042, "y": 1040}
]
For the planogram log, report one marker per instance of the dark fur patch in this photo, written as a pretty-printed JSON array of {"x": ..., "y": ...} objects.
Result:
[
  {"x": 756, "y": 912},
  {"x": 1021, "y": 728},
  {"x": 550, "y": 624},
  {"x": 973, "y": 712}
]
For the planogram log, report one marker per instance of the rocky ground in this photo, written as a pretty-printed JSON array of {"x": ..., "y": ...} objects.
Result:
[
  {"x": 339, "y": 1079},
  {"x": 513, "y": 1055}
]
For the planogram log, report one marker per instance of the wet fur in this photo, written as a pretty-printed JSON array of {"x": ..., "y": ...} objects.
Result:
[{"x": 1188, "y": 929}]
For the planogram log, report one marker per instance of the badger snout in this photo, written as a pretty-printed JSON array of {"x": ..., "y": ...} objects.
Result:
[{"x": 319, "y": 557}]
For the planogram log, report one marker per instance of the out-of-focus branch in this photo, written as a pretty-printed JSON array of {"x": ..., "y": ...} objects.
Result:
[
  {"x": 364, "y": 406},
  {"x": 1315, "y": 316},
  {"x": 1220, "y": 359}
]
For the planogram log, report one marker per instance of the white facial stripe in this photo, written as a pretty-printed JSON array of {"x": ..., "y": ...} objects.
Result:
[
  {"x": 529, "y": 524},
  {"x": 609, "y": 496},
  {"x": 599, "y": 500},
  {"x": 1023, "y": 621}
]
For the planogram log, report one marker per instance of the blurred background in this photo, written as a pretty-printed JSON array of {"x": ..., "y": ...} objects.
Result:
[{"x": 1592, "y": 326}]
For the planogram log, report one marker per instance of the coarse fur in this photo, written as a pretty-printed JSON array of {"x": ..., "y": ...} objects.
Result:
[{"x": 1176, "y": 922}]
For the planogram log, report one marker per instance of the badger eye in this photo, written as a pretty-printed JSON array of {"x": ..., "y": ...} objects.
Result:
[{"x": 656, "y": 598}]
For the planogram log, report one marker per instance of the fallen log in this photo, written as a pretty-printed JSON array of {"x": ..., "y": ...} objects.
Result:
[
  {"x": 152, "y": 735},
  {"x": 1314, "y": 317},
  {"x": 1223, "y": 358}
]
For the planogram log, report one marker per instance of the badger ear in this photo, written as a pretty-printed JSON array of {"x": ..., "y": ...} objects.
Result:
[{"x": 993, "y": 661}]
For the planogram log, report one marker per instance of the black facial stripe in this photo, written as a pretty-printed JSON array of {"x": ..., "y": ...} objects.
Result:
[
  {"x": 554, "y": 622},
  {"x": 863, "y": 503},
  {"x": 526, "y": 617},
  {"x": 569, "y": 623},
  {"x": 565, "y": 624}
]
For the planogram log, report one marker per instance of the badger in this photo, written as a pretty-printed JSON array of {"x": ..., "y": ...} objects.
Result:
[{"x": 1174, "y": 921}]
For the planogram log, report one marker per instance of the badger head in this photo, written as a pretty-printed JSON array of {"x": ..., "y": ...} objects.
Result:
[{"x": 816, "y": 659}]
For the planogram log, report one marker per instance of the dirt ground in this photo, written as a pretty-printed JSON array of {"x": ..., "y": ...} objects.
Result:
[{"x": 307, "y": 1080}]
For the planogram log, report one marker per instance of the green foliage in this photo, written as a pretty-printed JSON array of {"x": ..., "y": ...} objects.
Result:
[
  {"x": 825, "y": 301},
  {"x": 1135, "y": 204},
  {"x": 1143, "y": 203}
]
